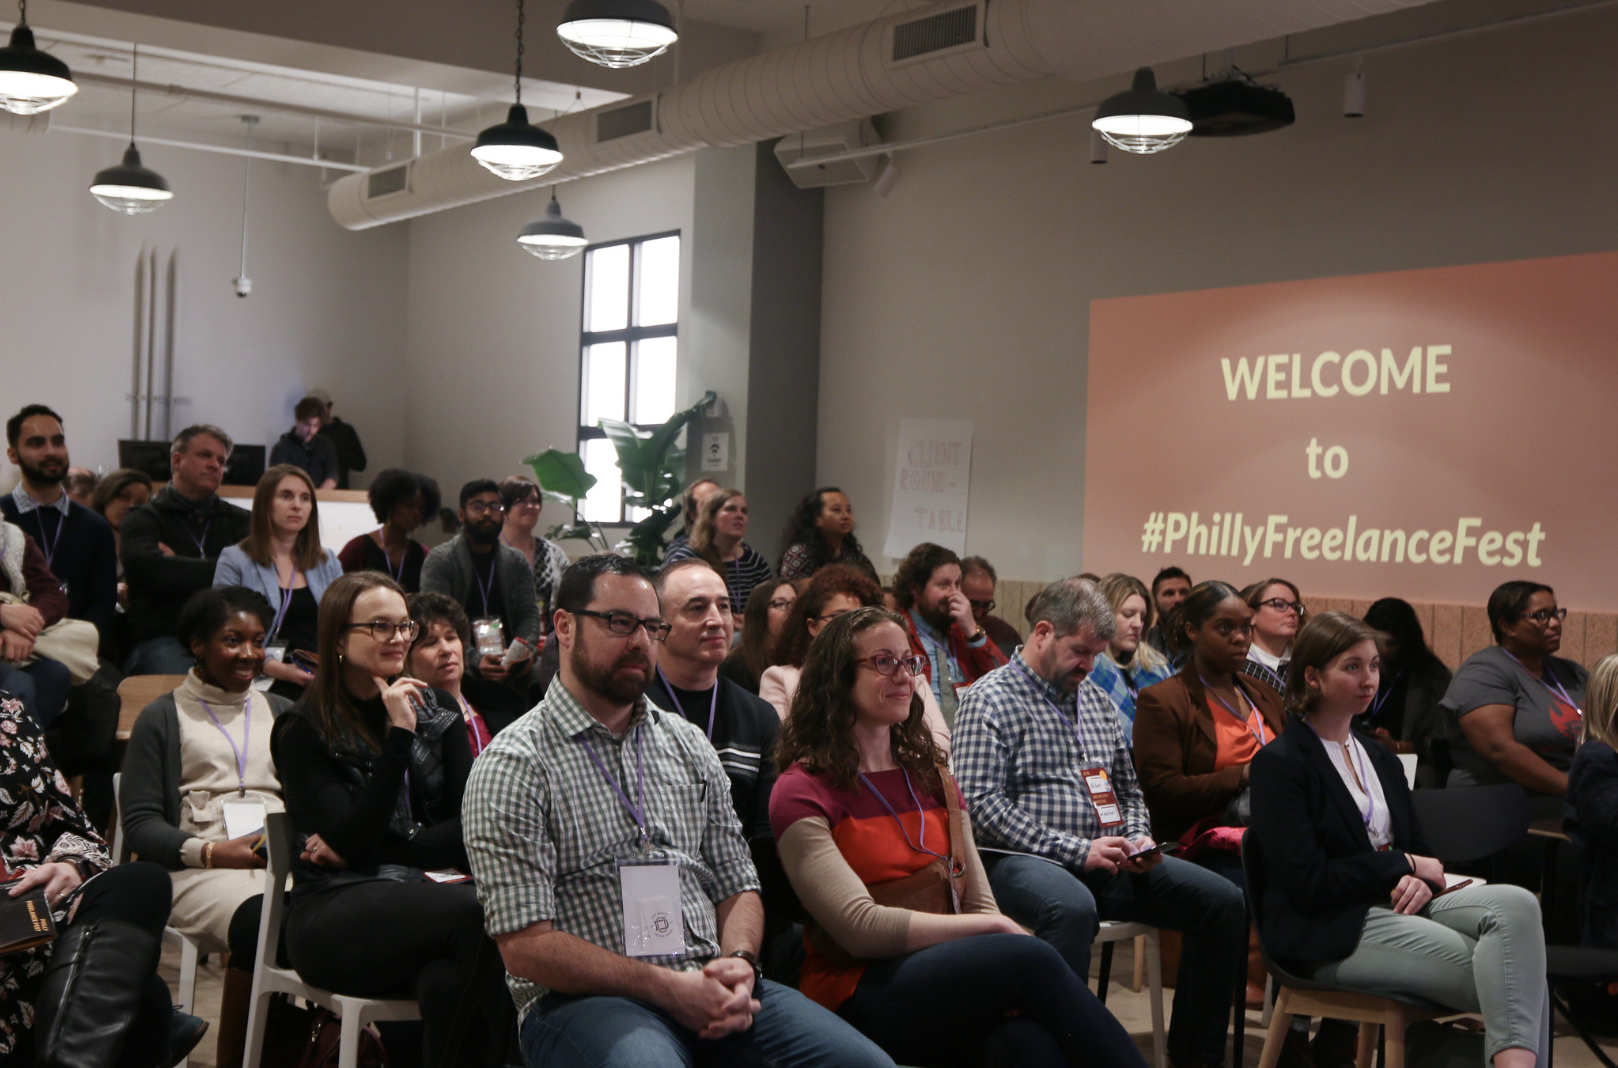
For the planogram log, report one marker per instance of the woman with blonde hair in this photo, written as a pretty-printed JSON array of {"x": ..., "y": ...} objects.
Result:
[
  {"x": 1354, "y": 893},
  {"x": 1592, "y": 808},
  {"x": 1130, "y": 664},
  {"x": 721, "y": 526},
  {"x": 282, "y": 559}
]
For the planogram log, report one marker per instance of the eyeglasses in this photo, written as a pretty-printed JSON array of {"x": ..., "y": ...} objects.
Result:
[
  {"x": 1282, "y": 605},
  {"x": 981, "y": 606},
  {"x": 889, "y": 665},
  {"x": 484, "y": 507},
  {"x": 833, "y": 615},
  {"x": 1544, "y": 615},
  {"x": 623, "y": 624},
  {"x": 781, "y": 604},
  {"x": 383, "y": 631}
]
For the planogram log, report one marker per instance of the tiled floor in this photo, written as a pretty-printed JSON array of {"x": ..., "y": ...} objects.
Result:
[{"x": 1131, "y": 1008}]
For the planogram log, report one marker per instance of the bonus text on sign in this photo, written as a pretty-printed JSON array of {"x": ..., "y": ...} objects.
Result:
[{"x": 1226, "y": 534}]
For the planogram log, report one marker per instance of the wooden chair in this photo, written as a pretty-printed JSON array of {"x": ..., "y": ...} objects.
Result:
[
  {"x": 135, "y": 693},
  {"x": 1390, "y": 1013}
]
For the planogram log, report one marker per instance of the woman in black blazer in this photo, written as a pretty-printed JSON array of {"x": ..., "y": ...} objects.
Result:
[{"x": 1351, "y": 882}]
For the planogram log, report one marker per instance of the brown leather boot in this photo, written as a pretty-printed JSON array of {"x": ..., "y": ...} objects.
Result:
[{"x": 234, "y": 1002}]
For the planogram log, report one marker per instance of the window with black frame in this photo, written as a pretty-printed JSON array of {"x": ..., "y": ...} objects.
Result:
[{"x": 629, "y": 351}]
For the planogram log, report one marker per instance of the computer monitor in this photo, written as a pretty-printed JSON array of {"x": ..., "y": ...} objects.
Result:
[{"x": 244, "y": 468}]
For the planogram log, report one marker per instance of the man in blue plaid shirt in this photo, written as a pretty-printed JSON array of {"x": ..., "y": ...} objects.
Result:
[{"x": 1023, "y": 737}]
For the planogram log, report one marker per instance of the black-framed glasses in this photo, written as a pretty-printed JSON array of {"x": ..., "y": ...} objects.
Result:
[
  {"x": 382, "y": 630},
  {"x": 623, "y": 624},
  {"x": 1281, "y": 604},
  {"x": 1544, "y": 615},
  {"x": 484, "y": 507},
  {"x": 781, "y": 604},
  {"x": 889, "y": 665},
  {"x": 833, "y": 615},
  {"x": 981, "y": 606}
]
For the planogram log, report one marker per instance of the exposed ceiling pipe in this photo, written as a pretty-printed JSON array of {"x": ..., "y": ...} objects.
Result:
[
  {"x": 224, "y": 150},
  {"x": 855, "y": 73}
]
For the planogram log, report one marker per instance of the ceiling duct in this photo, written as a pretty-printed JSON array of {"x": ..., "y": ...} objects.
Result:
[
  {"x": 1236, "y": 107},
  {"x": 851, "y": 74}
]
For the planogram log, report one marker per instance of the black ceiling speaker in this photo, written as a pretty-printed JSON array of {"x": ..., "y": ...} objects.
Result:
[{"x": 1235, "y": 107}]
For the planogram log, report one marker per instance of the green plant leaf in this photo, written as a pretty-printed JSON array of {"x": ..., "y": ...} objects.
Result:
[
  {"x": 562, "y": 476},
  {"x": 579, "y": 532},
  {"x": 646, "y": 539}
]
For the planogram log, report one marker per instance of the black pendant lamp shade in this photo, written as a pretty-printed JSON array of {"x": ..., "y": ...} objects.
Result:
[
  {"x": 552, "y": 237},
  {"x": 516, "y": 149},
  {"x": 617, "y": 33},
  {"x": 1143, "y": 119},
  {"x": 32, "y": 81},
  {"x": 129, "y": 188}
]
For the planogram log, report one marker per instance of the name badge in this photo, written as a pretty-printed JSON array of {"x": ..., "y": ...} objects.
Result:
[
  {"x": 489, "y": 636},
  {"x": 276, "y": 653},
  {"x": 650, "y": 888},
  {"x": 243, "y": 818},
  {"x": 1099, "y": 784}
]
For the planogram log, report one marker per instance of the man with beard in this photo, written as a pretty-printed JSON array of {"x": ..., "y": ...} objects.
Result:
[
  {"x": 1052, "y": 791},
  {"x": 171, "y": 548},
  {"x": 489, "y": 579},
  {"x": 304, "y": 446},
  {"x": 77, "y": 543},
  {"x": 741, "y": 726},
  {"x": 938, "y": 620},
  {"x": 612, "y": 870}
]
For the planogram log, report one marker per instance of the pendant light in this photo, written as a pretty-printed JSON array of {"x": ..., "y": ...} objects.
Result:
[
  {"x": 1143, "y": 119},
  {"x": 552, "y": 237},
  {"x": 617, "y": 33},
  {"x": 31, "y": 81},
  {"x": 516, "y": 150},
  {"x": 129, "y": 188}
]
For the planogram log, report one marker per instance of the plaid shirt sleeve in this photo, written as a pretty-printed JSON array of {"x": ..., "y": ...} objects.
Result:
[
  {"x": 1102, "y": 735},
  {"x": 503, "y": 818},
  {"x": 985, "y": 756}
]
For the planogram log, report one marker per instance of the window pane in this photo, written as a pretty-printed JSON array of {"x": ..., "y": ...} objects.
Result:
[
  {"x": 659, "y": 297},
  {"x": 604, "y": 373},
  {"x": 607, "y": 281},
  {"x": 605, "y": 501},
  {"x": 654, "y": 379}
]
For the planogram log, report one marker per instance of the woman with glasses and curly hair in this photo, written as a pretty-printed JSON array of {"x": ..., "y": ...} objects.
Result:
[
  {"x": 905, "y": 940},
  {"x": 373, "y": 764}
]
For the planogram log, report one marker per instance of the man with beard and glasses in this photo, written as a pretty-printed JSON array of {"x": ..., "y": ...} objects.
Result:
[
  {"x": 77, "y": 543},
  {"x": 741, "y": 726},
  {"x": 939, "y": 622},
  {"x": 612, "y": 870},
  {"x": 489, "y": 579}
]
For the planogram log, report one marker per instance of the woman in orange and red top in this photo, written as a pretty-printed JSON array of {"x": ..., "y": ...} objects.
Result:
[{"x": 862, "y": 802}]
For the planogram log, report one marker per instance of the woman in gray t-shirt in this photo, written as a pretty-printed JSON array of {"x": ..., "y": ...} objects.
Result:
[{"x": 1518, "y": 707}]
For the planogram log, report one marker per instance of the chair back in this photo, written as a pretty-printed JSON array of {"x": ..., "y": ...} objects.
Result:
[
  {"x": 1470, "y": 823},
  {"x": 1257, "y": 877},
  {"x": 118, "y": 818},
  {"x": 780, "y": 899},
  {"x": 278, "y": 843},
  {"x": 138, "y": 691}
]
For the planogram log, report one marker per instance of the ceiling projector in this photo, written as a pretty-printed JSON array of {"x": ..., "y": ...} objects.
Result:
[{"x": 1235, "y": 107}]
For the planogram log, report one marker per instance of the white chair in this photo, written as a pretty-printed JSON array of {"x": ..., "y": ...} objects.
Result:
[
  {"x": 1117, "y": 931},
  {"x": 270, "y": 979},
  {"x": 185, "y": 998}
]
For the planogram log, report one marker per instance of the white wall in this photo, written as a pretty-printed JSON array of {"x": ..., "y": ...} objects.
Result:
[
  {"x": 965, "y": 293},
  {"x": 327, "y": 308}
]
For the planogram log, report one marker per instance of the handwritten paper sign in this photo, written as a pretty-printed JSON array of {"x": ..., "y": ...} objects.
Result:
[{"x": 931, "y": 476}]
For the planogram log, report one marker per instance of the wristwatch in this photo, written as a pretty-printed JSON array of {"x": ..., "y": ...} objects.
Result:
[{"x": 751, "y": 958}]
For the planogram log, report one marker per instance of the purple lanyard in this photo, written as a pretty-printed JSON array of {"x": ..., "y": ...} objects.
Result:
[
  {"x": 483, "y": 587},
  {"x": 286, "y": 603},
  {"x": 1555, "y": 685},
  {"x": 1359, "y": 769},
  {"x": 637, "y": 813},
  {"x": 241, "y": 754},
  {"x": 922, "y": 848},
  {"x": 1078, "y": 738},
  {"x": 1382, "y": 698},
  {"x": 1250, "y": 721},
  {"x": 388, "y": 563},
  {"x": 49, "y": 550},
  {"x": 713, "y": 703},
  {"x": 200, "y": 543},
  {"x": 471, "y": 721}
]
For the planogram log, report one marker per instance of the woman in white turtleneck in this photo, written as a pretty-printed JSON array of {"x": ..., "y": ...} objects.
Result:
[{"x": 199, "y": 757}]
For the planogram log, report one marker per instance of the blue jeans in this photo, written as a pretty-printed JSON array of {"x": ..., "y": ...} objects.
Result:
[
  {"x": 1065, "y": 910},
  {"x": 612, "y": 1032},
  {"x": 160, "y": 656},
  {"x": 953, "y": 1004},
  {"x": 41, "y": 686}
]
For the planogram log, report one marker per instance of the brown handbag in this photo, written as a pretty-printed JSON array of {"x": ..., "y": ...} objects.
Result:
[{"x": 934, "y": 888}]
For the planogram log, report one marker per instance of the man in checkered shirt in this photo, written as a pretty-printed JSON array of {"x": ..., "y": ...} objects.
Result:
[
  {"x": 1022, "y": 735},
  {"x": 545, "y": 826}
]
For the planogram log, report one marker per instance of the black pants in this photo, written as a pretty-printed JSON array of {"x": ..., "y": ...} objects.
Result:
[
  {"x": 402, "y": 940},
  {"x": 953, "y": 1004},
  {"x": 138, "y": 894}
]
